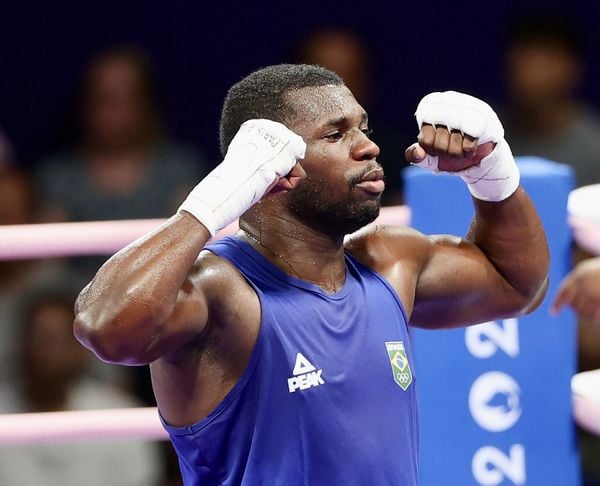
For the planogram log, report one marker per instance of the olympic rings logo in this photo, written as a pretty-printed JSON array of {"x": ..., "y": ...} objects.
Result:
[{"x": 403, "y": 377}]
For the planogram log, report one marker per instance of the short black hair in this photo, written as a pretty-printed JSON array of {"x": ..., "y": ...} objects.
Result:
[
  {"x": 261, "y": 94},
  {"x": 549, "y": 28}
]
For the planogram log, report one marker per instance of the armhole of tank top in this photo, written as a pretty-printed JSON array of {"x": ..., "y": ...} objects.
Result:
[
  {"x": 353, "y": 261},
  {"x": 241, "y": 383}
]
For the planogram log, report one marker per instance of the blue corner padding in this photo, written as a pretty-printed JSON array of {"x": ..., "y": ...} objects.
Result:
[{"x": 524, "y": 366}]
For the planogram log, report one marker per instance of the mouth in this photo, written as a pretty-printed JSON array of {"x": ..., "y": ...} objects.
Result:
[{"x": 372, "y": 182}]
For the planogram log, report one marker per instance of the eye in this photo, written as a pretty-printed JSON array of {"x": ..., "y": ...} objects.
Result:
[
  {"x": 334, "y": 137},
  {"x": 367, "y": 131}
]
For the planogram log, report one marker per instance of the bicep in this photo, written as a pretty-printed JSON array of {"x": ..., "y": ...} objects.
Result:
[
  {"x": 458, "y": 286},
  {"x": 186, "y": 321},
  {"x": 184, "y": 326},
  {"x": 215, "y": 295}
]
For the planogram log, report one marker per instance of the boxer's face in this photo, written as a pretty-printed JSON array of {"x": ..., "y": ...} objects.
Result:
[{"x": 340, "y": 158}]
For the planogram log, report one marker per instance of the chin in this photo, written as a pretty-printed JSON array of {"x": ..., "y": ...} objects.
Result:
[
  {"x": 337, "y": 217},
  {"x": 361, "y": 215},
  {"x": 343, "y": 219}
]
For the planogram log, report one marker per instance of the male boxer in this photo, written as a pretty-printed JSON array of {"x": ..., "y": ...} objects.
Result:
[{"x": 282, "y": 355}]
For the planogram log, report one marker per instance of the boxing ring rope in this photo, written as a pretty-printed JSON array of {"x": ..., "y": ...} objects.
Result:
[
  {"x": 586, "y": 400},
  {"x": 584, "y": 217},
  {"x": 18, "y": 242},
  {"x": 106, "y": 237},
  {"x": 81, "y": 426}
]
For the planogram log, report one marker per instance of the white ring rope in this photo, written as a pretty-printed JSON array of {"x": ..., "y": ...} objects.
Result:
[
  {"x": 80, "y": 426},
  {"x": 586, "y": 233},
  {"x": 584, "y": 217},
  {"x": 106, "y": 237},
  {"x": 586, "y": 400}
]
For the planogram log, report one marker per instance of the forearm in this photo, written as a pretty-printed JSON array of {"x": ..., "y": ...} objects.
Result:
[
  {"x": 135, "y": 291},
  {"x": 511, "y": 236}
]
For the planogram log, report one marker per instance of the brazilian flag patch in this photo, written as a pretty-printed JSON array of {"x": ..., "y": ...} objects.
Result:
[{"x": 399, "y": 362}]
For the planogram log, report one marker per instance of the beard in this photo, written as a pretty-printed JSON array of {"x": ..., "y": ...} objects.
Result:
[{"x": 319, "y": 205}]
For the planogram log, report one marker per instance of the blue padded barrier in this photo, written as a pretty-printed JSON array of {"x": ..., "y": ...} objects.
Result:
[{"x": 495, "y": 399}]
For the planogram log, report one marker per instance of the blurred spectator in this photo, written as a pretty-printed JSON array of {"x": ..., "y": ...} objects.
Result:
[
  {"x": 544, "y": 69},
  {"x": 344, "y": 53},
  {"x": 52, "y": 378},
  {"x": 121, "y": 164},
  {"x": 17, "y": 200},
  {"x": 17, "y": 206},
  {"x": 6, "y": 156}
]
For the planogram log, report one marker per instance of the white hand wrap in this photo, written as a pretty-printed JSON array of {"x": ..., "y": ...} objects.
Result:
[
  {"x": 497, "y": 176},
  {"x": 260, "y": 154}
]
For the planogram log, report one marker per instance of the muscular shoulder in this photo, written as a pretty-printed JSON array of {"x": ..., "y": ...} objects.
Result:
[
  {"x": 219, "y": 280},
  {"x": 216, "y": 290},
  {"x": 381, "y": 247},
  {"x": 398, "y": 254}
]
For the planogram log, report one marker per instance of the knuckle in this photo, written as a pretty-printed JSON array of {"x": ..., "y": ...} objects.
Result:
[
  {"x": 440, "y": 144},
  {"x": 468, "y": 140},
  {"x": 425, "y": 142}
]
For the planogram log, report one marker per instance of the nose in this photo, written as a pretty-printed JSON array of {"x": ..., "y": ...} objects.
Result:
[{"x": 364, "y": 148}]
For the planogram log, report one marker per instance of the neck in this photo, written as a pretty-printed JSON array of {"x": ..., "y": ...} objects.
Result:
[{"x": 294, "y": 247}]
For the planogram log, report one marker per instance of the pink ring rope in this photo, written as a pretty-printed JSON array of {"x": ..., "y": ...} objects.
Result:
[
  {"x": 106, "y": 237},
  {"x": 81, "y": 426}
]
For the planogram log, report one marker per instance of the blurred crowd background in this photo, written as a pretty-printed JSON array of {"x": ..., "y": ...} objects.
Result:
[{"x": 110, "y": 111}]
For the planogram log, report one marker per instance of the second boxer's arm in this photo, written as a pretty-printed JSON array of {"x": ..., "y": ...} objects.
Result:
[{"x": 581, "y": 290}]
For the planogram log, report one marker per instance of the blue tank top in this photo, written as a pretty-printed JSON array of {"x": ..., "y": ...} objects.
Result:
[{"x": 328, "y": 396}]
